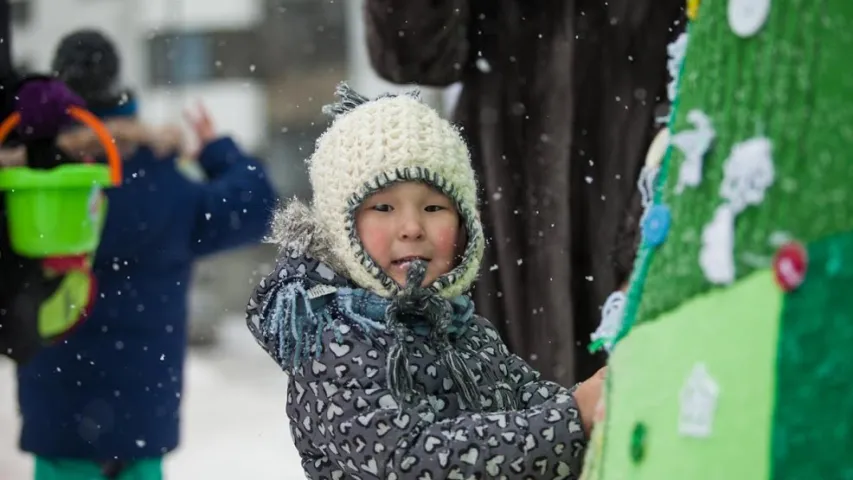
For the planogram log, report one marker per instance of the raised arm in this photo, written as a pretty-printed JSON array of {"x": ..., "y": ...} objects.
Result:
[{"x": 235, "y": 204}]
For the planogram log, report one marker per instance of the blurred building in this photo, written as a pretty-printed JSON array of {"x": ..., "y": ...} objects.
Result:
[{"x": 263, "y": 68}]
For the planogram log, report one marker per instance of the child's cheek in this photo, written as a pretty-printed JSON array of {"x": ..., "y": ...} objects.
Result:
[
  {"x": 446, "y": 242},
  {"x": 375, "y": 242}
]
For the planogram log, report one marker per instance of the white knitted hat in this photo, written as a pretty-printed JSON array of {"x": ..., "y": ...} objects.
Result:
[{"x": 372, "y": 144}]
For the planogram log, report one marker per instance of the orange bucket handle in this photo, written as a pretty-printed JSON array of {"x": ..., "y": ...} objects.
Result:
[{"x": 90, "y": 120}]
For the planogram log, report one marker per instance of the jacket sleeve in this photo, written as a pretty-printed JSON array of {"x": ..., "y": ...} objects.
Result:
[
  {"x": 236, "y": 202},
  {"x": 530, "y": 390},
  {"x": 343, "y": 415},
  {"x": 418, "y": 41}
]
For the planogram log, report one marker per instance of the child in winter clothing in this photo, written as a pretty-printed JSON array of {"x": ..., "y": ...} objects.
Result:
[
  {"x": 392, "y": 373},
  {"x": 41, "y": 299},
  {"x": 105, "y": 403}
]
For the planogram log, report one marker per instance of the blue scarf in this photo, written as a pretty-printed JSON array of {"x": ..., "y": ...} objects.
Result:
[
  {"x": 361, "y": 303},
  {"x": 300, "y": 313},
  {"x": 298, "y": 317}
]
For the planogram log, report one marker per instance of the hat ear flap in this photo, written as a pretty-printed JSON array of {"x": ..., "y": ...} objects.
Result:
[{"x": 297, "y": 232}]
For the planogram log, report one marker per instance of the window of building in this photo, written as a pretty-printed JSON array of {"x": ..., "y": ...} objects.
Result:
[
  {"x": 196, "y": 57},
  {"x": 302, "y": 34}
]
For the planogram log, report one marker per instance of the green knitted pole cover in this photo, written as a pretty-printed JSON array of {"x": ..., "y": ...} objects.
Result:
[{"x": 730, "y": 357}]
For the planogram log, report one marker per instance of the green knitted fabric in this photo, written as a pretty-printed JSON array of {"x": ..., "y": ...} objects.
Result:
[
  {"x": 813, "y": 421},
  {"x": 779, "y": 360},
  {"x": 789, "y": 83},
  {"x": 650, "y": 368}
]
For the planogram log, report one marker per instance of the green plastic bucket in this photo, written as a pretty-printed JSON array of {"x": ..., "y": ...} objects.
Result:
[{"x": 55, "y": 212}]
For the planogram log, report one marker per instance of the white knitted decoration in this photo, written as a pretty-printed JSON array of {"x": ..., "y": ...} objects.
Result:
[{"x": 377, "y": 143}]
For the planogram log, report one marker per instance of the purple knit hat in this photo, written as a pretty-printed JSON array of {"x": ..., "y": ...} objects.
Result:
[{"x": 42, "y": 104}]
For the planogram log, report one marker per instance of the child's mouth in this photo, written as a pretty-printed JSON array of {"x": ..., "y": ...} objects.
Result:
[{"x": 406, "y": 262}]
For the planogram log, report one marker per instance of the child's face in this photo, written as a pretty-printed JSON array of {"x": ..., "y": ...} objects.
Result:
[{"x": 409, "y": 221}]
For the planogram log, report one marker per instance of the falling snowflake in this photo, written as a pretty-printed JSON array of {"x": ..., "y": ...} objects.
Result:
[{"x": 483, "y": 65}]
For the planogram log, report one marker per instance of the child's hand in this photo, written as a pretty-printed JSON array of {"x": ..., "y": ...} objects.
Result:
[
  {"x": 588, "y": 398},
  {"x": 202, "y": 124}
]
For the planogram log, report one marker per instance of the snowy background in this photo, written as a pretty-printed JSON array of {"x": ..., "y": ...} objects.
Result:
[
  {"x": 263, "y": 68},
  {"x": 234, "y": 420}
]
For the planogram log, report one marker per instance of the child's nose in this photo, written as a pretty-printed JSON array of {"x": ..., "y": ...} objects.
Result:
[{"x": 411, "y": 230}]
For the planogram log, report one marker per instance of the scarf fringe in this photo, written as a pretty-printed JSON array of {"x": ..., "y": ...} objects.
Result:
[
  {"x": 299, "y": 328},
  {"x": 399, "y": 380},
  {"x": 300, "y": 315},
  {"x": 463, "y": 377},
  {"x": 504, "y": 396}
]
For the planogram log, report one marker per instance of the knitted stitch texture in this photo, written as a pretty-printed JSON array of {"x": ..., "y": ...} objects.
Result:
[
  {"x": 731, "y": 359},
  {"x": 373, "y": 144}
]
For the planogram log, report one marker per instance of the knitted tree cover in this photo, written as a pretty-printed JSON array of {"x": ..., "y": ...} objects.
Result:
[{"x": 730, "y": 358}]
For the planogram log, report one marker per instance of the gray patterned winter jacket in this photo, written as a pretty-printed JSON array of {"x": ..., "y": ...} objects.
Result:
[{"x": 347, "y": 422}]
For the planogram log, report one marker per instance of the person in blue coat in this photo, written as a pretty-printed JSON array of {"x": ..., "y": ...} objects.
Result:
[{"x": 105, "y": 403}]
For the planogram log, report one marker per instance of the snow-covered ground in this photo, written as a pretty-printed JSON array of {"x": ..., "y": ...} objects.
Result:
[{"x": 234, "y": 420}]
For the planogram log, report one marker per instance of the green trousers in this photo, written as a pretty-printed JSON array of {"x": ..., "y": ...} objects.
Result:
[{"x": 64, "y": 469}]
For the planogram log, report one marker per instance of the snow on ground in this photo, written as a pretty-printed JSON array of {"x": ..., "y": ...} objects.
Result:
[{"x": 234, "y": 419}]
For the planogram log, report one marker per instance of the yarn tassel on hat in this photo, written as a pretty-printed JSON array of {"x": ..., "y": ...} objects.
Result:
[{"x": 350, "y": 99}]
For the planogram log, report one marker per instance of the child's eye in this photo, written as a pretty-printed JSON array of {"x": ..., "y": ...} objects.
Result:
[
  {"x": 382, "y": 207},
  {"x": 434, "y": 208}
]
